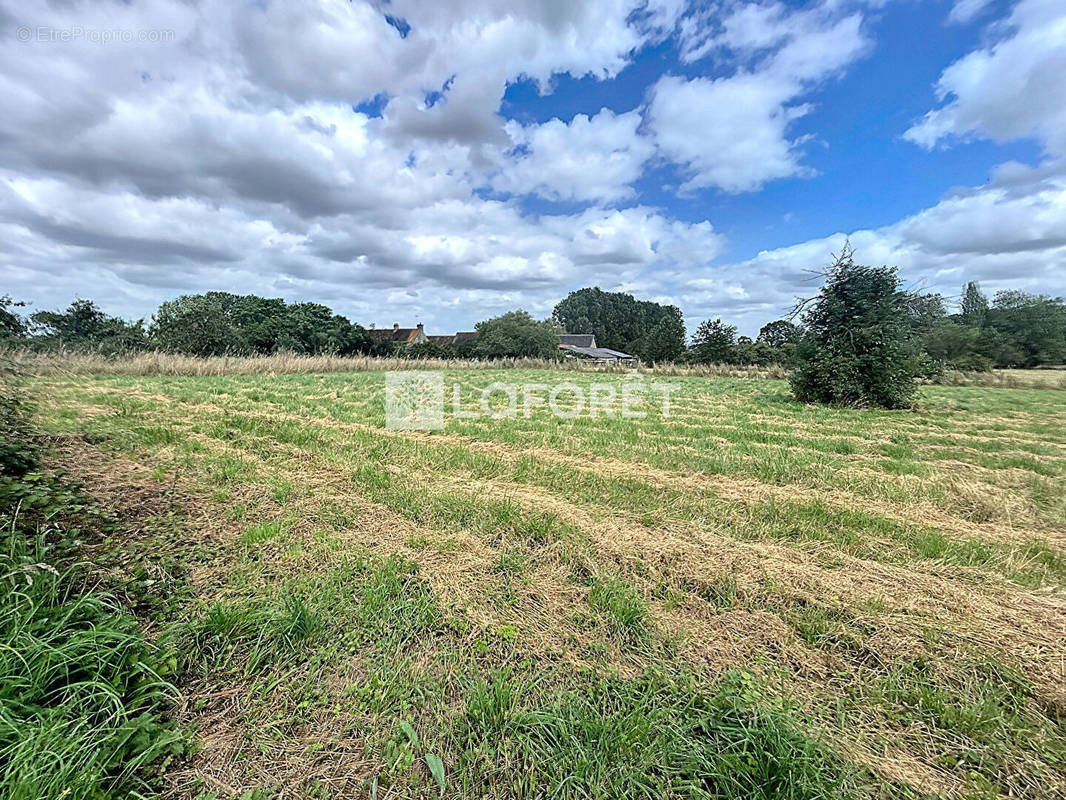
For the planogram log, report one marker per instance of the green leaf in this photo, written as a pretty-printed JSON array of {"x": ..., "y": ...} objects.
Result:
[
  {"x": 405, "y": 726},
  {"x": 436, "y": 768}
]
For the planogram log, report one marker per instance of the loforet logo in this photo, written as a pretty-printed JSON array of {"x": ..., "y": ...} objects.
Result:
[{"x": 414, "y": 400}]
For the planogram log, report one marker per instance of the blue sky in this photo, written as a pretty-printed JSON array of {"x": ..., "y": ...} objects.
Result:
[{"x": 443, "y": 162}]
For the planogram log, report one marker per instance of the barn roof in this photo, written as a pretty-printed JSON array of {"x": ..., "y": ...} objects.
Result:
[
  {"x": 578, "y": 339},
  {"x": 598, "y": 352}
]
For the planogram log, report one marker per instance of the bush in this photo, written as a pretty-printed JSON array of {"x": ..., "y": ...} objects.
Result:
[
  {"x": 18, "y": 452},
  {"x": 860, "y": 345}
]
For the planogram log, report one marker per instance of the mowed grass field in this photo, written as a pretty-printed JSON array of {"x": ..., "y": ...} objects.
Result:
[{"x": 748, "y": 598}]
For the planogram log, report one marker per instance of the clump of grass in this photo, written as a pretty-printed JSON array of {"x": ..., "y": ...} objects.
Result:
[
  {"x": 657, "y": 736},
  {"x": 721, "y": 592},
  {"x": 262, "y": 532},
  {"x": 83, "y": 694},
  {"x": 394, "y": 604},
  {"x": 249, "y": 635},
  {"x": 621, "y": 606}
]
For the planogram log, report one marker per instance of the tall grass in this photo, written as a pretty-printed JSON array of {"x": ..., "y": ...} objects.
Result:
[
  {"x": 82, "y": 692},
  {"x": 75, "y": 363},
  {"x": 659, "y": 735},
  {"x": 157, "y": 363}
]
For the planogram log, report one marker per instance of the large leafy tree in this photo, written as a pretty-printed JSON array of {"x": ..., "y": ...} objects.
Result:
[
  {"x": 954, "y": 344},
  {"x": 219, "y": 323},
  {"x": 1029, "y": 330},
  {"x": 651, "y": 331},
  {"x": 83, "y": 321},
  {"x": 314, "y": 328},
  {"x": 664, "y": 339},
  {"x": 196, "y": 325},
  {"x": 714, "y": 342},
  {"x": 515, "y": 334},
  {"x": 861, "y": 343},
  {"x": 778, "y": 333}
]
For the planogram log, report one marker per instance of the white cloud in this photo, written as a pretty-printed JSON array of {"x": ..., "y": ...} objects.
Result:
[
  {"x": 1010, "y": 234},
  {"x": 591, "y": 159},
  {"x": 729, "y": 133},
  {"x": 1009, "y": 89},
  {"x": 230, "y": 157},
  {"x": 966, "y": 11},
  {"x": 732, "y": 132}
]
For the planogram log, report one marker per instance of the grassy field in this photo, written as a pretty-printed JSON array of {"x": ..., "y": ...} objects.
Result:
[{"x": 749, "y": 598}]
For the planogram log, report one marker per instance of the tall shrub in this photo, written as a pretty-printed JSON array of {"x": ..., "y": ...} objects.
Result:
[{"x": 860, "y": 345}]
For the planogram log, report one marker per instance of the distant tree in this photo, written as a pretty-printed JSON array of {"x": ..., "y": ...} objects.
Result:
[
  {"x": 756, "y": 353},
  {"x": 665, "y": 336},
  {"x": 515, "y": 334},
  {"x": 713, "y": 343},
  {"x": 954, "y": 345},
  {"x": 218, "y": 323},
  {"x": 196, "y": 325},
  {"x": 778, "y": 333},
  {"x": 651, "y": 331},
  {"x": 974, "y": 305},
  {"x": 926, "y": 311},
  {"x": 861, "y": 345},
  {"x": 1030, "y": 329},
  {"x": 12, "y": 324},
  {"x": 84, "y": 325},
  {"x": 83, "y": 321},
  {"x": 314, "y": 328}
]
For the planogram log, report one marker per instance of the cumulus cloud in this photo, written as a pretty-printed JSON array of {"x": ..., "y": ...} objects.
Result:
[
  {"x": 732, "y": 132},
  {"x": 965, "y": 11},
  {"x": 1009, "y": 89},
  {"x": 590, "y": 158},
  {"x": 1009, "y": 234},
  {"x": 231, "y": 155}
]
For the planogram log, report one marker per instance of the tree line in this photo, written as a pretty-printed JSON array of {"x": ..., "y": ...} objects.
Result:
[{"x": 1014, "y": 329}]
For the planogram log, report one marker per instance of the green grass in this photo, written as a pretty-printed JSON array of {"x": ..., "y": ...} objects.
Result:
[
  {"x": 659, "y": 735},
  {"x": 748, "y": 598},
  {"x": 621, "y": 607},
  {"x": 83, "y": 694}
]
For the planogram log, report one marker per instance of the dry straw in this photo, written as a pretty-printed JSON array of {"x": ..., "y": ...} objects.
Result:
[
  {"x": 157, "y": 363},
  {"x": 73, "y": 363}
]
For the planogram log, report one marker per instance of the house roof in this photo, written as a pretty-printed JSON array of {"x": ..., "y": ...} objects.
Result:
[
  {"x": 578, "y": 339},
  {"x": 464, "y": 336},
  {"x": 394, "y": 334},
  {"x": 442, "y": 339},
  {"x": 598, "y": 352}
]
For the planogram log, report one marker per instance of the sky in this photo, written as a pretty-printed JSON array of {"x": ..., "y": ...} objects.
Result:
[{"x": 445, "y": 161}]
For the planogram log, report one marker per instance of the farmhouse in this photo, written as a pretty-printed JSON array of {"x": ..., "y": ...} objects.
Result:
[{"x": 415, "y": 335}]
